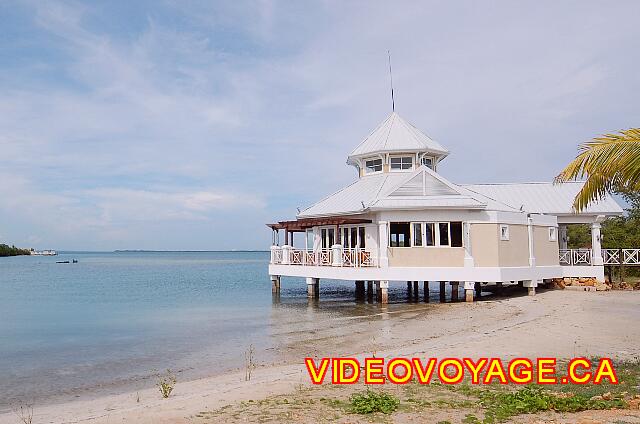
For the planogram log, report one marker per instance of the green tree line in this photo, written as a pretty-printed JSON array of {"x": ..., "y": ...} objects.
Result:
[
  {"x": 6, "y": 250},
  {"x": 617, "y": 233}
]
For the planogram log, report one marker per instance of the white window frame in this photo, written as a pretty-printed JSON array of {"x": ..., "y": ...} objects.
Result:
[
  {"x": 504, "y": 232},
  {"x": 431, "y": 159},
  {"x": 436, "y": 233},
  {"x": 368, "y": 171},
  {"x": 553, "y": 234},
  {"x": 349, "y": 229},
  {"x": 391, "y": 169},
  {"x": 421, "y": 233},
  {"x": 335, "y": 235}
]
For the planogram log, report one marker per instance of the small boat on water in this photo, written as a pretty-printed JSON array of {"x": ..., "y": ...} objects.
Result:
[{"x": 62, "y": 262}]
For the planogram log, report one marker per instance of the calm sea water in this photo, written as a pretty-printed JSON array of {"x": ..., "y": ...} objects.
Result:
[{"x": 106, "y": 323}]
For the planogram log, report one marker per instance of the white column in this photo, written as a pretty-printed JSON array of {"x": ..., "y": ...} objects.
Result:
[
  {"x": 532, "y": 257},
  {"x": 468, "y": 257},
  {"x": 337, "y": 255},
  {"x": 383, "y": 258},
  {"x": 286, "y": 254},
  {"x": 563, "y": 237},
  {"x": 596, "y": 242},
  {"x": 274, "y": 249}
]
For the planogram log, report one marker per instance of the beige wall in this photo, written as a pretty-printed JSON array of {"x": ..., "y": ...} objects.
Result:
[
  {"x": 545, "y": 251},
  {"x": 484, "y": 244},
  {"x": 515, "y": 251},
  {"x": 488, "y": 250},
  {"x": 426, "y": 256}
]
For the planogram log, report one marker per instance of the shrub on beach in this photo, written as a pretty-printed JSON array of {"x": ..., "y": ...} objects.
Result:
[
  {"x": 166, "y": 383},
  {"x": 369, "y": 402}
]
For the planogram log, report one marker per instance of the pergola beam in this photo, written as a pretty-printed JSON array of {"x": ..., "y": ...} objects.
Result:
[{"x": 302, "y": 225}]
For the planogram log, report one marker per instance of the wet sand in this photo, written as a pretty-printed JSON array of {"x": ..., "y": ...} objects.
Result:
[{"x": 553, "y": 323}]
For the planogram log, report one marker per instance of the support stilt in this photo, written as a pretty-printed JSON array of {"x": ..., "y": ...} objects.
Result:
[
  {"x": 384, "y": 293},
  {"x": 275, "y": 284},
  {"x": 454, "y": 291},
  {"x": 377, "y": 284},
  {"x": 500, "y": 288},
  {"x": 369, "y": 289},
  {"x": 468, "y": 295},
  {"x": 313, "y": 287},
  {"x": 468, "y": 291},
  {"x": 443, "y": 291},
  {"x": 478, "y": 290},
  {"x": 359, "y": 289},
  {"x": 531, "y": 286},
  {"x": 425, "y": 288},
  {"x": 416, "y": 290}
]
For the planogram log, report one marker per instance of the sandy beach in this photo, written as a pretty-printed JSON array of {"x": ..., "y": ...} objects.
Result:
[{"x": 553, "y": 323}]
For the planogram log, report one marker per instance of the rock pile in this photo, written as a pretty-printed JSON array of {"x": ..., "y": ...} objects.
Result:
[{"x": 561, "y": 283}]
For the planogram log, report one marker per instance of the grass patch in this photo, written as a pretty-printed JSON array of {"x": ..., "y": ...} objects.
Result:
[
  {"x": 369, "y": 402},
  {"x": 500, "y": 406}
]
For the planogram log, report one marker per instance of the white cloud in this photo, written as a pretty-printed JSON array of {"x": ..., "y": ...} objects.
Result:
[{"x": 179, "y": 114}]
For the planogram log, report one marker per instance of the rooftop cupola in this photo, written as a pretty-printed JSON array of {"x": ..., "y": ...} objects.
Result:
[{"x": 396, "y": 146}]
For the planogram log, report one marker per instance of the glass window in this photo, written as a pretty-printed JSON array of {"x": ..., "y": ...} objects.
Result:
[
  {"x": 362, "y": 238},
  {"x": 504, "y": 232},
  {"x": 310, "y": 239},
  {"x": 456, "y": 234},
  {"x": 345, "y": 237},
  {"x": 373, "y": 165},
  {"x": 404, "y": 162},
  {"x": 553, "y": 234},
  {"x": 417, "y": 234},
  {"x": 354, "y": 237},
  {"x": 400, "y": 234},
  {"x": 427, "y": 161},
  {"x": 430, "y": 234},
  {"x": 443, "y": 228}
]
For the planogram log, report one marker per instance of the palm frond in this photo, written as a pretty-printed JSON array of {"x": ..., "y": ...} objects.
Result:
[{"x": 609, "y": 163}]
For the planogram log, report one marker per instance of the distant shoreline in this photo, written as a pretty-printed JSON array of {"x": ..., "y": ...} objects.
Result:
[{"x": 187, "y": 251}]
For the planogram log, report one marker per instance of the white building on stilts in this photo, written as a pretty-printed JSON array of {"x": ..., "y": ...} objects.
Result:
[{"x": 402, "y": 221}]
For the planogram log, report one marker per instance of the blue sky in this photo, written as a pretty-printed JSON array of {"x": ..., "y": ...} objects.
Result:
[{"x": 189, "y": 125}]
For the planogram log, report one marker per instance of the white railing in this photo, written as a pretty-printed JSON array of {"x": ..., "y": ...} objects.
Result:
[
  {"x": 621, "y": 256},
  {"x": 276, "y": 256},
  {"x": 609, "y": 256},
  {"x": 575, "y": 257},
  {"x": 322, "y": 257},
  {"x": 325, "y": 257}
]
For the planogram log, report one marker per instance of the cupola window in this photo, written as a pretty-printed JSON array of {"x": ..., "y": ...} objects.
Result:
[
  {"x": 373, "y": 165},
  {"x": 402, "y": 162},
  {"x": 427, "y": 161}
]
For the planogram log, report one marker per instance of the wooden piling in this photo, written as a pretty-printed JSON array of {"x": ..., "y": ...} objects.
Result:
[{"x": 454, "y": 290}]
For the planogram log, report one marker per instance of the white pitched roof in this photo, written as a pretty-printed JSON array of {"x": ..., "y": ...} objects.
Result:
[
  {"x": 421, "y": 189},
  {"x": 546, "y": 198},
  {"x": 396, "y": 134}
]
